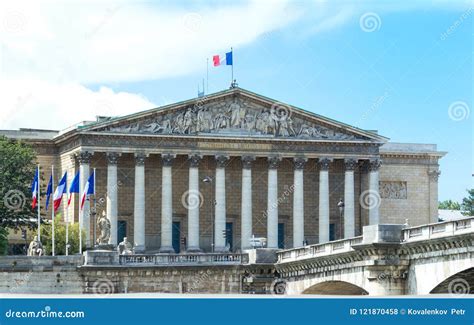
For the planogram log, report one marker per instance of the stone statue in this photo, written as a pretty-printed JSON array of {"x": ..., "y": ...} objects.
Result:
[
  {"x": 104, "y": 227},
  {"x": 125, "y": 247},
  {"x": 35, "y": 248}
]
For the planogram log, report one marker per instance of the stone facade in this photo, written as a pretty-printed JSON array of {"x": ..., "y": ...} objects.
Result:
[{"x": 240, "y": 124}]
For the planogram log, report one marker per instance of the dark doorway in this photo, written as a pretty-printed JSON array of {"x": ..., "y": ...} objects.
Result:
[
  {"x": 332, "y": 232},
  {"x": 281, "y": 235},
  {"x": 121, "y": 230},
  {"x": 229, "y": 235},
  {"x": 176, "y": 236}
]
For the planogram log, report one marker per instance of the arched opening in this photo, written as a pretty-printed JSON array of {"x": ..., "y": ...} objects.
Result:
[
  {"x": 460, "y": 283},
  {"x": 335, "y": 288}
]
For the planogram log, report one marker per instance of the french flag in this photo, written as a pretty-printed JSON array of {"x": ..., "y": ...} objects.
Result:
[
  {"x": 35, "y": 189},
  {"x": 73, "y": 188},
  {"x": 89, "y": 189},
  {"x": 60, "y": 190},
  {"x": 217, "y": 60}
]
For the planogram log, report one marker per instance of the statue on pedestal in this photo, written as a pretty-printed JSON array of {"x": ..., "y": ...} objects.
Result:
[
  {"x": 125, "y": 247},
  {"x": 104, "y": 227},
  {"x": 35, "y": 248}
]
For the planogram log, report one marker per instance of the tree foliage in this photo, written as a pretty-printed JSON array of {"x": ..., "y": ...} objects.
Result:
[
  {"x": 17, "y": 169},
  {"x": 60, "y": 237},
  {"x": 467, "y": 205},
  {"x": 449, "y": 205}
]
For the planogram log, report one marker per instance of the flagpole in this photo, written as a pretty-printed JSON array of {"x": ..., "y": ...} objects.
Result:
[
  {"x": 207, "y": 75},
  {"x": 80, "y": 219},
  {"x": 67, "y": 227},
  {"x": 232, "y": 66},
  {"x": 52, "y": 210},
  {"x": 95, "y": 212},
  {"x": 39, "y": 203}
]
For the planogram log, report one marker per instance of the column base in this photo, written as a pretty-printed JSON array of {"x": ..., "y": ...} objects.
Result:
[
  {"x": 193, "y": 250},
  {"x": 167, "y": 250}
]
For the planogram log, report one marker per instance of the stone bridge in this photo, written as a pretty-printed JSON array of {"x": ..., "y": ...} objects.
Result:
[{"x": 386, "y": 260}]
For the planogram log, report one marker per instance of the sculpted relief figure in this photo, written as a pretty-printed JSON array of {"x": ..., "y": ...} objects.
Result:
[
  {"x": 237, "y": 115},
  {"x": 125, "y": 247},
  {"x": 35, "y": 248}
]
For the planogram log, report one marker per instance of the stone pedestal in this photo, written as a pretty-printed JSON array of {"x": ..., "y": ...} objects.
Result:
[{"x": 101, "y": 257}]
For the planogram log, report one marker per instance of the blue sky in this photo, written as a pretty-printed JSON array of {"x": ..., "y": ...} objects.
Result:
[{"x": 399, "y": 76}]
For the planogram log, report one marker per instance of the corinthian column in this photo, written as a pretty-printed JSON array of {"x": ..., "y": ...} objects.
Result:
[
  {"x": 324, "y": 199},
  {"x": 84, "y": 159},
  {"x": 167, "y": 204},
  {"x": 139, "y": 204},
  {"x": 374, "y": 196},
  {"x": 349, "y": 211},
  {"x": 112, "y": 193},
  {"x": 272, "y": 202},
  {"x": 193, "y": 204},
  {"x": 298, "y": 202},
  {"x": 246, "y": 207},
  {"x": 220, "y": 214}
]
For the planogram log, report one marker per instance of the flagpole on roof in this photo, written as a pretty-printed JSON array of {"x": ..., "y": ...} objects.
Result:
[
  {"x": 67, "y": 223},
  {"x": 232, "y": 66},
  {"x": 52, "y": 211},
  {"x": 207, "y": 76}
]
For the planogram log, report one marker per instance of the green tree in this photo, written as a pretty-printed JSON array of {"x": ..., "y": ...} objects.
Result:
[
  {"x": 3, "y": 241},
  {"x": 17, "y": 168},
  {"x": 60, "y": 237},
  {"x": 467, "y": 205},
  {"x": 449, "y": 205}
]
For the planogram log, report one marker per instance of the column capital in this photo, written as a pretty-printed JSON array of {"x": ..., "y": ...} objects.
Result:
[
  {"x": 273, "y": 162},
  {"x": 140, "y": 159},
  {"x": 247, "y": 161},
  {"x": 221, "y": 161},
  {"x": 299, "y": 162},
  {"x": 194, "y": 160},
  {"x": 324, "y": 163},
  {"x": 84, "y": 157},
  {"x": 374, "y": 165},
  {"x": 434, "y": 175},
  {"x": 167, "y": 159},
  {"x": 112, "y": 157},
  {"x": 350, "y": 164}
]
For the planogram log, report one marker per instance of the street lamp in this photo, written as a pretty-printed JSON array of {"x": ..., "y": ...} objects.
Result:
[
  {"x": 208, "y": 180},
  {"x": 340, "y": 205}
]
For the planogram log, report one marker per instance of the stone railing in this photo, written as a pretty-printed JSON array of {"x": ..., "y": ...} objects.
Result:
[
  {"x": 311, "y": 251},
  {"x": 438, "y": 230},
  {"x": 184, "y": 259}
]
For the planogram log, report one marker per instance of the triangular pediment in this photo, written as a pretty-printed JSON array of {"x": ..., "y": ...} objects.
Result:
[{"x": 235, "y": 113}]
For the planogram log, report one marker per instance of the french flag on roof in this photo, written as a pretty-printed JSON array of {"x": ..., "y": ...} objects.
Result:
[
  {"x": 89, "y": 189},
  {"x": 35, "y": 189},
  {"x": 60, "y": 190},
  {"x": 218, "y": 60}
]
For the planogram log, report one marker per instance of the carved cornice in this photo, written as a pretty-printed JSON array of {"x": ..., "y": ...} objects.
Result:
[
  {"x": 140, "y": 159},
  {"x": 273, "y": 162},
  {"x": 112, "y": 158},
  {"x": 350, "y": 164},
  {"x": 247, "y": 161},
  {"x": 167, "y": 159},
  {"x": 324, "y": 163},
  {"x": 299, "y": 162},
  {"x": 221, "y": 161}
]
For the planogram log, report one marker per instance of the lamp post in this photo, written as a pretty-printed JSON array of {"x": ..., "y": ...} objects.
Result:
[
  {"x": 340, "y": 205},
  {"x": 209, "y": 180}
]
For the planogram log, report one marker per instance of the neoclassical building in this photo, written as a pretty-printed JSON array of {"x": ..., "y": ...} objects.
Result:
[{"x": 208, "y": 174}]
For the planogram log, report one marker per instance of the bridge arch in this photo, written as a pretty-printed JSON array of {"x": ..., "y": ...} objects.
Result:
[
  {"x": 459, "y": 284},
  {"x": 335, "y": 288}
]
